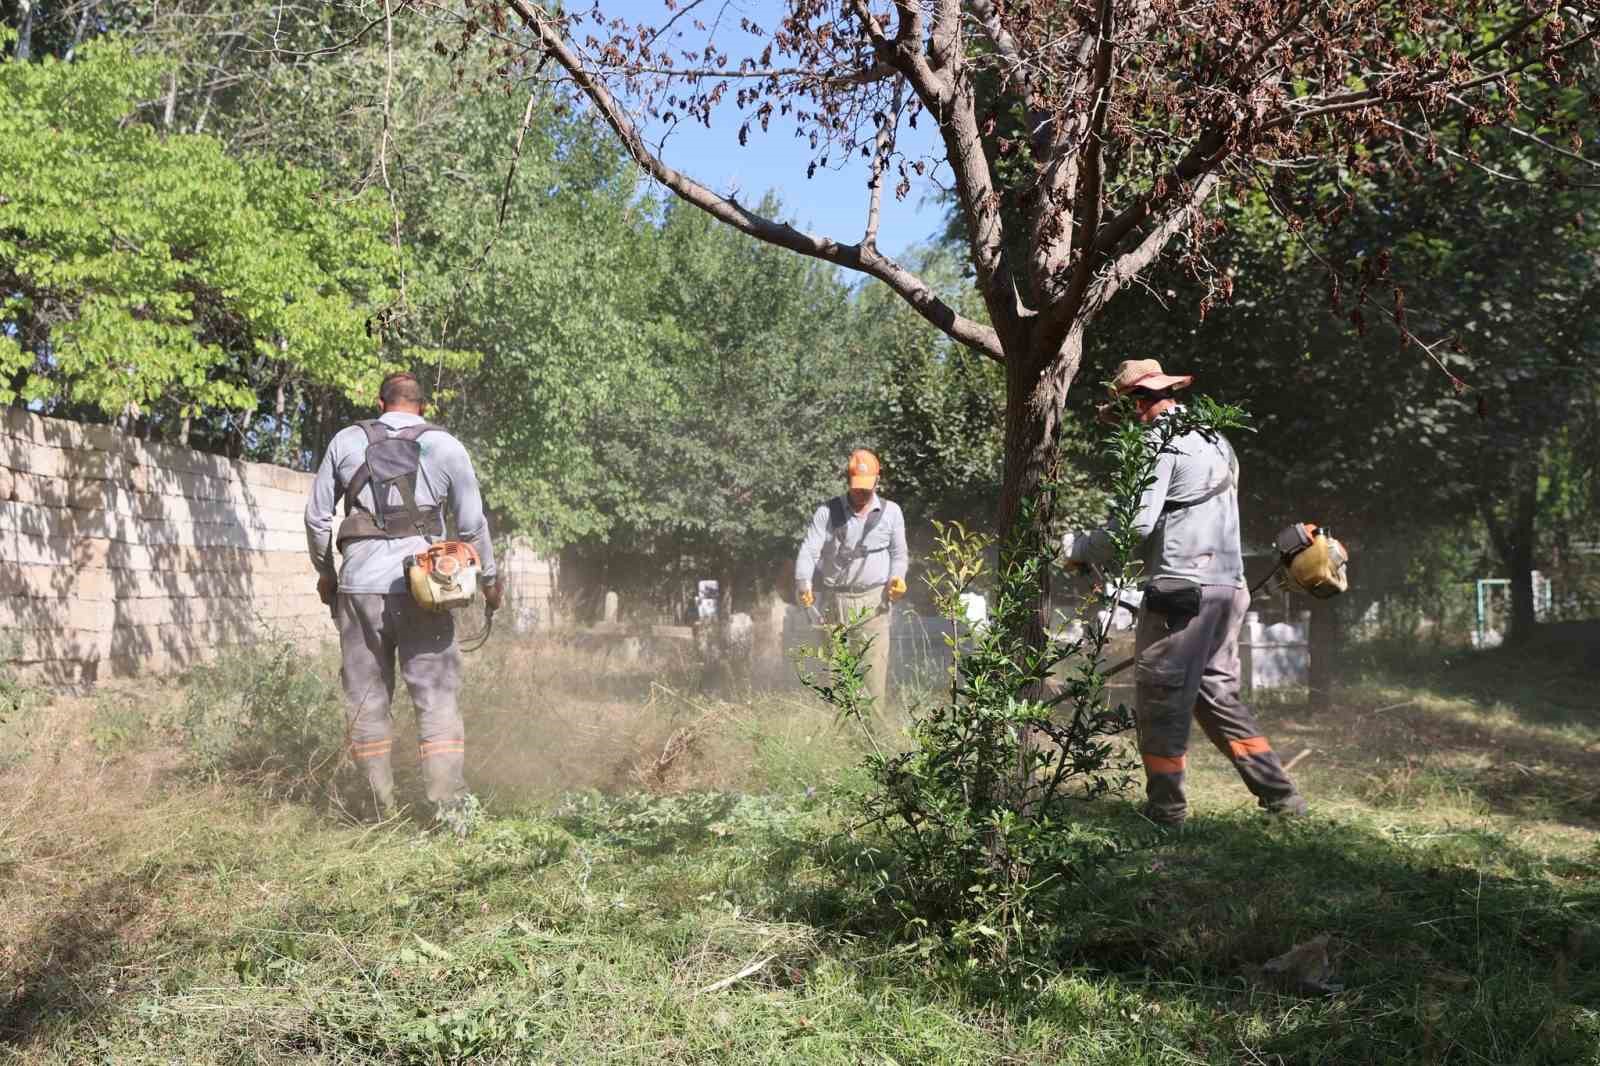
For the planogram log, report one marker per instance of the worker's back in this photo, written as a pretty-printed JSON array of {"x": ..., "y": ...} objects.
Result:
[{"x": 1197, "y": 535}]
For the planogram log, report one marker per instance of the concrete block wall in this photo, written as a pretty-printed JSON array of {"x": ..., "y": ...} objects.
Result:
[
  {"x": 531, "y": 580},
  {"x": 120, "y": 557}
]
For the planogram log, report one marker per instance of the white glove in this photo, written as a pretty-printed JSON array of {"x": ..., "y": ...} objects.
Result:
[{"x": 1069, "y": 541}]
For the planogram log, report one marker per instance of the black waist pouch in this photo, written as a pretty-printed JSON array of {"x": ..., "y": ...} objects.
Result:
[{"x": 1174, "y": 597}]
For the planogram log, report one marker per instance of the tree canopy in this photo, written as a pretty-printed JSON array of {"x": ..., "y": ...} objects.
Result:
[{"x": 137, "y": 268}]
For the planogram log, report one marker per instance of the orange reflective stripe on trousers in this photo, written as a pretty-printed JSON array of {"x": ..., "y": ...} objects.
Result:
[
  {"x": 1249, "y": 746},
  {"x": 1164, "y": 764}
]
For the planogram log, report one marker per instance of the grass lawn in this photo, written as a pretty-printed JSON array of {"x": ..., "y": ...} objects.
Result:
[{"x": 661, "y": 878}]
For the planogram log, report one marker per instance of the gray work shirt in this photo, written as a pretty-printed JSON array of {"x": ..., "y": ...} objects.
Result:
[
  {"x": 828, "y": 551},
  {"x": 376, "y": 564},
  {"x": 1199, "y": 542}
]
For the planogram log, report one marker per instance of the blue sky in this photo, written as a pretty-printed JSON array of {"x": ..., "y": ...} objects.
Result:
[{"x": 833, "y": 202}]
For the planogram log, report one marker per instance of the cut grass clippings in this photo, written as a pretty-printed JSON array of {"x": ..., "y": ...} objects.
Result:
[{"x": 159, "y": 916}]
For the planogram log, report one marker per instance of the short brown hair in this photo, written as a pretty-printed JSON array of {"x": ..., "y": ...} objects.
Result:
[{"x": 402, "y": 387}]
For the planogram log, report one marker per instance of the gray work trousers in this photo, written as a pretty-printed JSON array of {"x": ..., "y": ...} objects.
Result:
[
  {"x": 375, "y": 630},
  {"x": 1192, "y": 671},
  {"x": 840, "y": 606}
]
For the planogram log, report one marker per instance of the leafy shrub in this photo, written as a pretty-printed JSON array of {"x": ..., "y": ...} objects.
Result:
[
  {"x": 18, "y": 701},
  {"x": 264, "y": 710},
  {"x": 974, "y": 824},
  {"x": 122, "y": 720},
  {"x": 643, "y": 821}
]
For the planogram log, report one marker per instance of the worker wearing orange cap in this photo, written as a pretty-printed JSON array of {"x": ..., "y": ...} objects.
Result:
[{"x": 855, "y": 547}]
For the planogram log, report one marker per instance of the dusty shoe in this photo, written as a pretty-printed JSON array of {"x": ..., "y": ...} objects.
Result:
[
  {"x": 1165, "y": 818},
  {"x": 460, "y": 816},
  {"x": 1294, "y": 806}
]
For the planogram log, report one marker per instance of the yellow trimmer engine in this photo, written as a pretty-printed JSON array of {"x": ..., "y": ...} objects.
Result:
[
  {"x": 443, "y": 578},
  {"x": 1314, "y": 560}
]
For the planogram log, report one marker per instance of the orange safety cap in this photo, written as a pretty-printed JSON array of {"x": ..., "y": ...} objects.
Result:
[{"x": 862, "y": 469}]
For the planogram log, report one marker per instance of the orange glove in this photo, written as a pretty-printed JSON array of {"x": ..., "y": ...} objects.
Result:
[
  {"x": 804, "y": 596},
  {"x": 897, "y": 588}
]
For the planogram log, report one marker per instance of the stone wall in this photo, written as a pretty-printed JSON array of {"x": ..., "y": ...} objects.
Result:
[
  {"x": 530, "y": 580},
  {"x": 120, "y": 557}
]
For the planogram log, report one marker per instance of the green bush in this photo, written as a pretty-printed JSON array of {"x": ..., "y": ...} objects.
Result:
[
  {"x": 265, "y": 711},
  {"x": 973, "y": 829},
  {"x": 18, "y": 701}
]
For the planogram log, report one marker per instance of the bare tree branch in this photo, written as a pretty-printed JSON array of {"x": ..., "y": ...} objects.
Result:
[
  {"x": 1133, "y": 262},
  {"x": 883, "y": 148},
  {"x": 1493, "y": 172},
  {"x": 946, "y": 40},
  {"x": 385, "y": 137},
  {"x": 354, "y": 38},
  {"x": 951, "y": 97},
  {"x": 903, "y": 53},
  {"x": 1091, "y": 176},
  {"x": 1206, "y": 153},
  {"x": 866, "y": 260},
  {"x": 1430, "y": 350},
  {"x": 1517, "y": 131},
  {"x": 1377, "y": 98}
]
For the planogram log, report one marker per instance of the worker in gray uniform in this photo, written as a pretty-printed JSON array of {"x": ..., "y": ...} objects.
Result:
[
  {"x": 1187, "y": 644},
  {"x": 379, "y": 622},
  {"x": 855, "y": 547}
]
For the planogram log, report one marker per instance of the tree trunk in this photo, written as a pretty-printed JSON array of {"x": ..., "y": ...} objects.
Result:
[
  {"x": 280, "y": 432},
  {"x": 1519, "y": 560},
  {"x": 171, "y": 107},
  {"x": 77, "y": 34},
  {"x": 1326, "y": 645},
  {"x": 1513, "y": 540},
  {"x": 25, "y": 32},
  {"x": 1036, "y": 390}
]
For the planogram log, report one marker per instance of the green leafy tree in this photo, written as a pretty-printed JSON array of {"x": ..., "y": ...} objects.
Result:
[
  {"x": 529, "y": 247},
  {"x": 138, "y": 269},
  {"x": 755, "y": 401},
  {"x": 1355, "y": 430}
]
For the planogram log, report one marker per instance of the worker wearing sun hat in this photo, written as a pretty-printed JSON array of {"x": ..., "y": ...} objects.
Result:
[
  {"x": 1187, "y": 646},
  {"x": 855, "y": 546}
]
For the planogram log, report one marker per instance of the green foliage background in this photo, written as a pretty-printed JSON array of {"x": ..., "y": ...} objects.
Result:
[{"x": 221, "y": 224}]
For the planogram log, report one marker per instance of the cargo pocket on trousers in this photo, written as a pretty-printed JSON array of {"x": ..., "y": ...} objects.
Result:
[{"x": 1163, "y": 724}]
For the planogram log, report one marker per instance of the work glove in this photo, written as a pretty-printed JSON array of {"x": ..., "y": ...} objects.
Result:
[
  {"x": 1068, "y": 563},
  {"x": 492, "y": 591},
  {"x": 803, "y": 594},
  {"x": 897, "y": 588}
]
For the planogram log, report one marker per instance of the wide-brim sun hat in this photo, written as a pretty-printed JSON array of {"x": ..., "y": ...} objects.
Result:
[
  {"x": 1138, "y": 374},
  {"x": 1146, "y": 374}
]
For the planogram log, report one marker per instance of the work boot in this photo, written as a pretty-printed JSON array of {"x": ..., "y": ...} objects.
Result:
[
  {"x": 1293, "y": 805},
  {"x": 1164, "y": 816}
]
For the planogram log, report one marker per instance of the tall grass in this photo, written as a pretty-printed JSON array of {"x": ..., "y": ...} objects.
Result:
[{"x": 622, "y": 907}]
